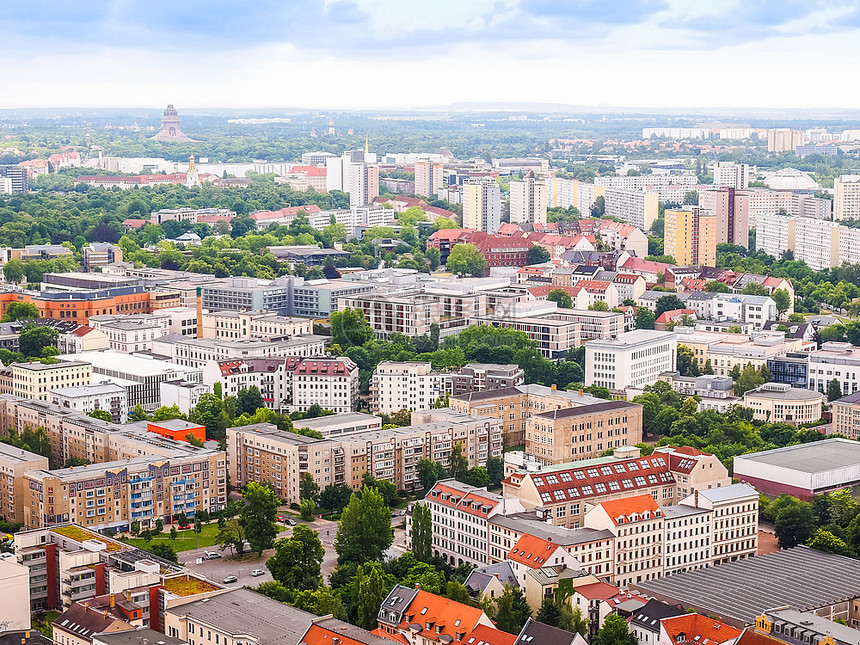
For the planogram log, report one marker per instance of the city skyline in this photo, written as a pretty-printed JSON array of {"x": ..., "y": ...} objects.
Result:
[{"x": 345, "y": 54}]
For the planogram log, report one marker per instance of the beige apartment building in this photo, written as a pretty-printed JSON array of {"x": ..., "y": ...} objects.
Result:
[
  {"x": 36, "y": 380},
  {"x": 582, "y": 432},
  {"x": 405, "y": 385},
  {"x": 409, "y": 313},
  {"x": 114, "y": 494},
  {"x": 559, "y": 493},
  {"x": 846, "y": 416},
  {"x": 236, "y": 325},
  {"x": 734, "y": 520},
  {"x": 263, "y": 454},
  {"x": 638, "y": 525},
  {"x": 691, "y": 236},
  {"x": 514, "y": 405},
  {"x": 14, "y": 462}
]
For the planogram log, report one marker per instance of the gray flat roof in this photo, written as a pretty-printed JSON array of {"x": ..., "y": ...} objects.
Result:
[
  {"x": 800, "y": 578},
  {"x": 139, "y": 636},
  {"x": 242, "y": 611},
  {"x": 815, "y": 457},
  {"x": 337, "y": 420}
]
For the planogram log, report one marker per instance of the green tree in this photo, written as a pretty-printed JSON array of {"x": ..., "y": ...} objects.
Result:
[
  {"x": 561, "y": 298},
  {"x": 708, "y": 368},
  {"x": 258, "y": 516},
  {"x": 614, "y": 632},
  {"x": 598, "y": 305},
  {"x": 782, "y": 300},
  {"x": 134, "y": 529},
  {"x": 478, "y": 477},
  {"x": 308, "y": 488},
  {"x": 749, "y": 379},
  {"x": 275, "y": 590},
  {"x": 459, "y": 465},
  {"x": 307, "y": 508},
  {"x": 644, "y": 318},
  {"x": 512, "y": 610},
  {"x": 19, "y": 310},
  {"x": 715, "y": 286},
  {"x": 422, "y": 532},
  {"x": 250, "y": 400},
  {"x": 685, "y": 361},
  {"x": 297, "y": 560},
  {"x": 173, "y": 532},
  {"x": 371, "y": 593},
  {"x": 466, "y": 259},
  {"x": 164, "y": 550},
  {"x": 829, "y": 543},
  {"x": 834, "y": 389},
  {"x": 457, "y": 592},
  {"x": 349, "y": 328},
  {"x": 537, "y": 255},
  {"x": 429, "y": 472},
  {"x": 843, "y": 507},
  {"x": 322, "y": 601},
  {"x": 667, "y": 303},
  {"x": 168, "y": 412},
  {"x": 334, "y": 497},
  {"x": 102, "y": 415},
  {"x": 795, "y": 524},
  {"x": 138, "y": 414},
  {"x": 231, "y": 535},
  {"x": 364, "y": 531},
  {"x": 13, "y": 271},
  {"x": 549, "y": 613},
  {"x": 33, "y": 339},
  {"x": 496, "y": 470},
  {"x": 210, "y": 412}
]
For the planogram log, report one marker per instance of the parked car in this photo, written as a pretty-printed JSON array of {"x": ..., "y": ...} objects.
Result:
[
  {"x": 403, "y": 512},
  {"x": 184, "y": 527},
  {"x": 282, "y": 519},
  {"x": 230, "y": 579},
  {"x": 291, "y": 521},
  {"x": 211, "y": 555},
  {"x": 258, "y": 572}
]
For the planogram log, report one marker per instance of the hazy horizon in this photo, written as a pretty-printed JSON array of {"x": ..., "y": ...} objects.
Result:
[{"x": 388, "y": 55}]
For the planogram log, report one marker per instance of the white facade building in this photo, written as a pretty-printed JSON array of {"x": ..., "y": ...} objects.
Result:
[
  {"x": 412, "y": 386},
  {"x": 687, "y": 540},
  {"x": 846, "y": 191},
  {"x": 634, "y": 358},
  {"x": 528, "y": 200},
  {"x": 636, "y": 207},
  {"x": 110, "y": 397},
  {"x": 734, "y": 520},
  {"x": 731, "y": 174},
  {"x": 429, "y": 177},
  {"x": 129, "y": 333}
]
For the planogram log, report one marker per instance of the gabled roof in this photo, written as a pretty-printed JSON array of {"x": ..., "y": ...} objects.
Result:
[
  {"x": 695, "y": 628},
  {"x": 486, "y": 635},
  {"x": 649, "y": 616},
  {"x": 83, "y": 622},
  {"x": 431, "y": 616},
  {"x": 479, "y": 578},
  {"x": 328, "y": 630},
  {"x": 631, "y": 509},
  {"x": 532, "y": 551},
  {"x": 535, "y": 633},
  {"x": 464, "y": 498}
]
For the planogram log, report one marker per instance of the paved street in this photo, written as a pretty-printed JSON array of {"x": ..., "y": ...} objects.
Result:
[{"x": 218, "y": 569}]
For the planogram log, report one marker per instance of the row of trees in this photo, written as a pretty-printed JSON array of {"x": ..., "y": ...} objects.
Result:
[{"x": 828, "y": 523}]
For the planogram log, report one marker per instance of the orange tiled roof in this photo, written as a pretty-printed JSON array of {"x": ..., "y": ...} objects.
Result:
[
  {"x": 433, "y": 616},
  {"x": 532, "y": 551},
  {"x": 629, "y": 506},
  {"x": 696, "y": 628},
  {"x": 486, "y": 635}
]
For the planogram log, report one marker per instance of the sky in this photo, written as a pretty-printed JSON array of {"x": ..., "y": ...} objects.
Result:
[{"x": 376, "y": 54}]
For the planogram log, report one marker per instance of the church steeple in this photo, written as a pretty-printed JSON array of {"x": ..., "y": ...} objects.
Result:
[{"x": 191, "y": 166}]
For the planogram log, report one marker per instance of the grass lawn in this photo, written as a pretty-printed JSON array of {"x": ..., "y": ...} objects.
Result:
[
  {"x": 185, "y": 540},
  {"x": 43, "y": 622}
]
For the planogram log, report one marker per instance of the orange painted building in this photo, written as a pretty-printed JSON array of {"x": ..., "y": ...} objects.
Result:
[
  {"x": 80, "y": 310},
  {"x": 177, "y": 429}
]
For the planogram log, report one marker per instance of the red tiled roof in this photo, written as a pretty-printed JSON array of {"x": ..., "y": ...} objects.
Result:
[
  {"x": 135, "y": 223},
  {"x": 440, "y": 212},
  {"x": 463, "y": 502},
  {"x": 286, "y": 212},
  {"x": 667, "y": 316},
  {"x": 594, "y": 286},
  {"x": 532, "y": 551},
  {"x": 486, "y": 635},
  {"x": 627, "y": 278},
  {"x": 324, "y": 366},
  {"x": 695, "y": 628},
  {"x": 82, "y": 331},
  {"x": 598, "y": 591},
  {"x": 543, "y": 290},
  {"x": 214, "y": 219},
  {"x": 440, "y": 614},
  {"x": 583, "y": 482},
  {"x": 635, "y": 264},
  {"x": 450, "y": 233},
  {"x": 627, "y": 507}
]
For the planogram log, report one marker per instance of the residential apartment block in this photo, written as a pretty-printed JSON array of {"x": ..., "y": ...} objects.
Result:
[
  {"x": 409, "y": 386},
  {"x": 482, "y": 205},
  {"x": 14, "y": 462},
  {"x": 734, "y": 520},
  {"x": 237, "y": 325},
  {"x": 567, "y": 434},
  {"x": 36, "y": 380},
  {"x": 196, "y": 352},
  {"x": 109, "y": 397},
  {"x": 732, "y": 211},
  {"x": 513, "y": 406},
  {"x": 846, "y": 203},
  {"x": 528, "y": 199},
  {"x": 691, "y": 236},
  {"x": 846, "y": 416},
  {"x": 263, "y": 454}
]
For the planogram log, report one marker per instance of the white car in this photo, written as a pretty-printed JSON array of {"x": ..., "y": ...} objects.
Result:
[
  {"x": 230, "y": 579},
  {"x": 258, "y": 572}
]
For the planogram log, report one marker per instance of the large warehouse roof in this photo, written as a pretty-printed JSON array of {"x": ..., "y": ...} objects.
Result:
[
  {"x": 815, "y": 457},
  {"x": 800, "y": 578}
]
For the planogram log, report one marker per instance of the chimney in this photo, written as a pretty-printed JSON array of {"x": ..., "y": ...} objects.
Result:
[
  {"x": 112, "y": 601},
  {"x": 696, "y": 498},
  {"x": 581, "y": 392},
  {"x": 418, "y": 585},
  {"x": 554, "y": 387}
]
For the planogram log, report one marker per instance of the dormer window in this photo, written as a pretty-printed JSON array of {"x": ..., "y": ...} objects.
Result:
[{"x": 424, "y": 611}]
